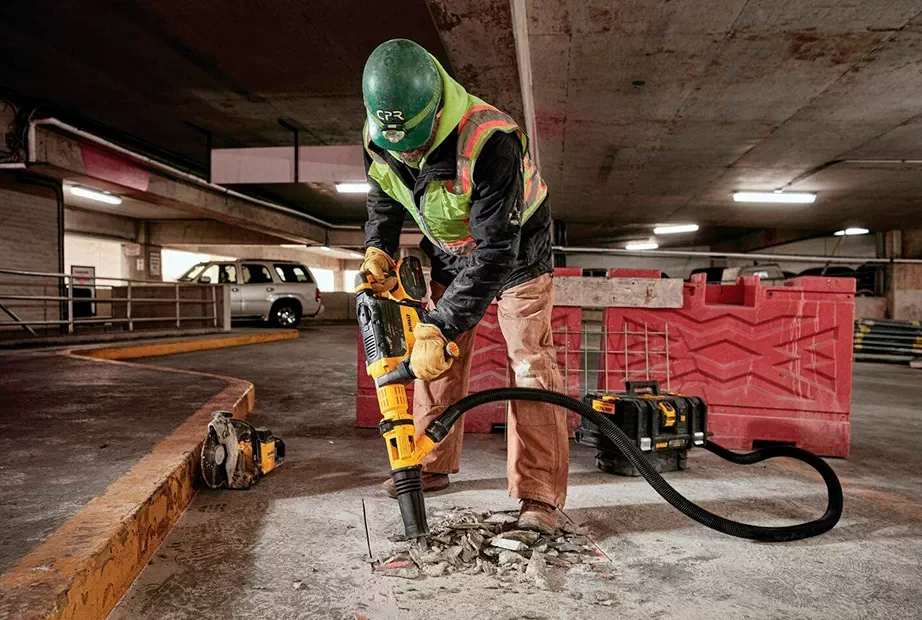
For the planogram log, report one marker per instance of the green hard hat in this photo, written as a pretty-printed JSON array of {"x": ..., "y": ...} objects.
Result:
[{"x": 401, "y": 88}]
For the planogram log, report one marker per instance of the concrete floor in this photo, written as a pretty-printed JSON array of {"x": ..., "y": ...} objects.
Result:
[
  {"x": 293, "y": 546},
  {"x": 70, "y": 427}
]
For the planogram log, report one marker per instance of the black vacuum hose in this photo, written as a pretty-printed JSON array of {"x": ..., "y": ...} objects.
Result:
[{"x": 441, "y": 425}]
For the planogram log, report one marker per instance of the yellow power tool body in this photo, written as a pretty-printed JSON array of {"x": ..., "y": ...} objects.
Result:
[{"x": 387, "y": 322}]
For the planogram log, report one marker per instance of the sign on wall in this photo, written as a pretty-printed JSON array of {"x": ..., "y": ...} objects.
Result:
[
  {"x": 83, "y": 286},
  {"x": 153, "y": 263},
  {"x": 83, "y": 275}
]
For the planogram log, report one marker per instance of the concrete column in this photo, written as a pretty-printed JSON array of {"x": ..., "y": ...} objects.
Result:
[
  {"x": 143, "y": 261},
  {"x": 905, "y": 292},
  {"x": 912, "y": 243},
  {"x": 904, "y": 282},
  {"x": 148, "y": 263}
]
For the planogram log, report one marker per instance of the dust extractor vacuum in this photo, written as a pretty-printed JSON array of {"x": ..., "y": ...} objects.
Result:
[{"x": 673, "y": 423}]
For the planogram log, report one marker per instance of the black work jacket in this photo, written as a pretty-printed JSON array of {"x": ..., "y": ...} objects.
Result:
[{"x": 506, "y": 253}]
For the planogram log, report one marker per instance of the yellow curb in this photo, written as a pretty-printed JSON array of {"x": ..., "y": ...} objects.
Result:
[
  {"x": 83, "y": 568},
  {"x": 153, "y": 349}
]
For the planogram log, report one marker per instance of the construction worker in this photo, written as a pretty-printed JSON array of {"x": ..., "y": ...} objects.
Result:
[{"x": 460, "y": 167}]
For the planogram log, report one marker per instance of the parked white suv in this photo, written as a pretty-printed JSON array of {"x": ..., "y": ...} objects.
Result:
[{"x": 277, "y": 291}]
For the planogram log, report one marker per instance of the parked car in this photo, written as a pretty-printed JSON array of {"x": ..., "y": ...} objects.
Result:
[
  {"x": 769, "y": 274},
  {"x": 830, "y": 271},
  {"x": 867, "y": 278},
  {"x": 870, "y": 279},
  {"x": 714, "y": 274},
  {"x": 280, "y": 292}
]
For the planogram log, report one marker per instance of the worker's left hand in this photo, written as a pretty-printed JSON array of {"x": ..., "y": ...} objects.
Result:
[{"x": 428, "y": 358}]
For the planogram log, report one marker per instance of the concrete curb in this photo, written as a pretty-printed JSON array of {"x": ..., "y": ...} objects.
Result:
[
  {"x": 154, "y": 349},
  {"x": 81, "y": 570}
]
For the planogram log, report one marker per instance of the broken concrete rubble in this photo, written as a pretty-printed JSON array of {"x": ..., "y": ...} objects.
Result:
[
  {"x": 500, "y": 518},
  {"x": 522, "y": 536},
  {"x": 510, "y": 557},
  {"x": 470, "y": 542},
  {"x": 406, "y": 569},
  {"x": 510, "y": 545}
]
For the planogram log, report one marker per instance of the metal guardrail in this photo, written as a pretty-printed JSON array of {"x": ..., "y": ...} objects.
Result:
[{"x": 133, "y": 287}]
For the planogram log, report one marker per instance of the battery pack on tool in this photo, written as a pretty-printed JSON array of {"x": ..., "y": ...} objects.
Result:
[{"x": 664, "y": 426}]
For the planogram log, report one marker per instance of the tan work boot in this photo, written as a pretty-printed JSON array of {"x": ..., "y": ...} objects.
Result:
[
  {"x": 538, "y": 517},
  {"x": 431, "y": 482}
]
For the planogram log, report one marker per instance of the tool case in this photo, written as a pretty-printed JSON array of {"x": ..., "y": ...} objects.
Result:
[{"x": 664, "y": 426}]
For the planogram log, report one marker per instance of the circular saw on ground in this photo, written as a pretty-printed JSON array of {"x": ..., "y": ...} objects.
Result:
[{"x": 235, "y": 454}]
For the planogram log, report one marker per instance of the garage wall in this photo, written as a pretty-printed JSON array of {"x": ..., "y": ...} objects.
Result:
[
  {"x": 673, "y": 267},
  {"x": 105, "y": 255},
  {"x": 28, "y": 226},
  {"x": 864, "y": 246},
  {"x": 30, "y": 231}
]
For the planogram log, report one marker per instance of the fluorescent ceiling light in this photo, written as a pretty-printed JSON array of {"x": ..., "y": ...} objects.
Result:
[
  {"x": 92, "y": 194},
  {"x": 675, "y": 229},
  {"x": 352, "y": 188},
  {"x": 779, "y": 197},
  {"x": 641, "y": 245},
  {"x": 851, "y": 231}
]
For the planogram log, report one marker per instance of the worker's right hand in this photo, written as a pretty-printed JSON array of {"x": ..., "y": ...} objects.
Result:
[{"x": 380, "y": 266}]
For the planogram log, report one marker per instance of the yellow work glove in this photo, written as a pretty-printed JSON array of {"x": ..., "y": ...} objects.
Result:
[
  {"x": 429, "y": 357},
  {"x": 378, "y": 263}
]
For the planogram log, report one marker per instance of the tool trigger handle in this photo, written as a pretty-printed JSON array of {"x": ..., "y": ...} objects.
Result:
[{"x": 403, "y": 374}]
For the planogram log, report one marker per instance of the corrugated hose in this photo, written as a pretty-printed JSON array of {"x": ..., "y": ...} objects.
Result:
[{"x": 441, "y": 425}]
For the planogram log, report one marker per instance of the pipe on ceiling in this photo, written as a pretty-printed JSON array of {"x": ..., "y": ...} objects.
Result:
[
  {"x": 31, "y": 157},
  {"x": 737, "y": 255}
]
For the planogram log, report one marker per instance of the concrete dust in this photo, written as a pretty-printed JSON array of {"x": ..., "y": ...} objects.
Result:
[{"x": 469, "y": 542}]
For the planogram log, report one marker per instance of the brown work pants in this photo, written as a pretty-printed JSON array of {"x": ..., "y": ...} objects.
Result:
[{"x": 538, "y": 459}]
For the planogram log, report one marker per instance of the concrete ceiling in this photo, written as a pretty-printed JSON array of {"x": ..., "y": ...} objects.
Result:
[
  {"x": 656, "y": 111},
  {"x": 646, "y": 111},
  {"x": 163, "y": 71}
]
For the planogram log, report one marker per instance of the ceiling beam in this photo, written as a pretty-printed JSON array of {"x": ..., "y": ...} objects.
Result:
[
  {"x": 356, "y": 238},
  {"x": 205, "y": 232},
  {"x": 65, "y": 158},
  {"x": 276, "y": 164},
  {"x": 99, "y": 224},
  {"x": 761, "y": 239}
]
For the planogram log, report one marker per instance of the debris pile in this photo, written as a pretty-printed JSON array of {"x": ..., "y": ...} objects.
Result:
[{"x": 470, "y": 542}]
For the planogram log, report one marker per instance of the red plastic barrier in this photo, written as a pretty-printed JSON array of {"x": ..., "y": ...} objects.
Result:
[
  {"x": 773, "y": 363},
  {"x": 563, "y": 272},
  {"x": 490, "y": 367},
  {"x": 367, "y": 412},
  {"x": 634, "y": 273}
]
